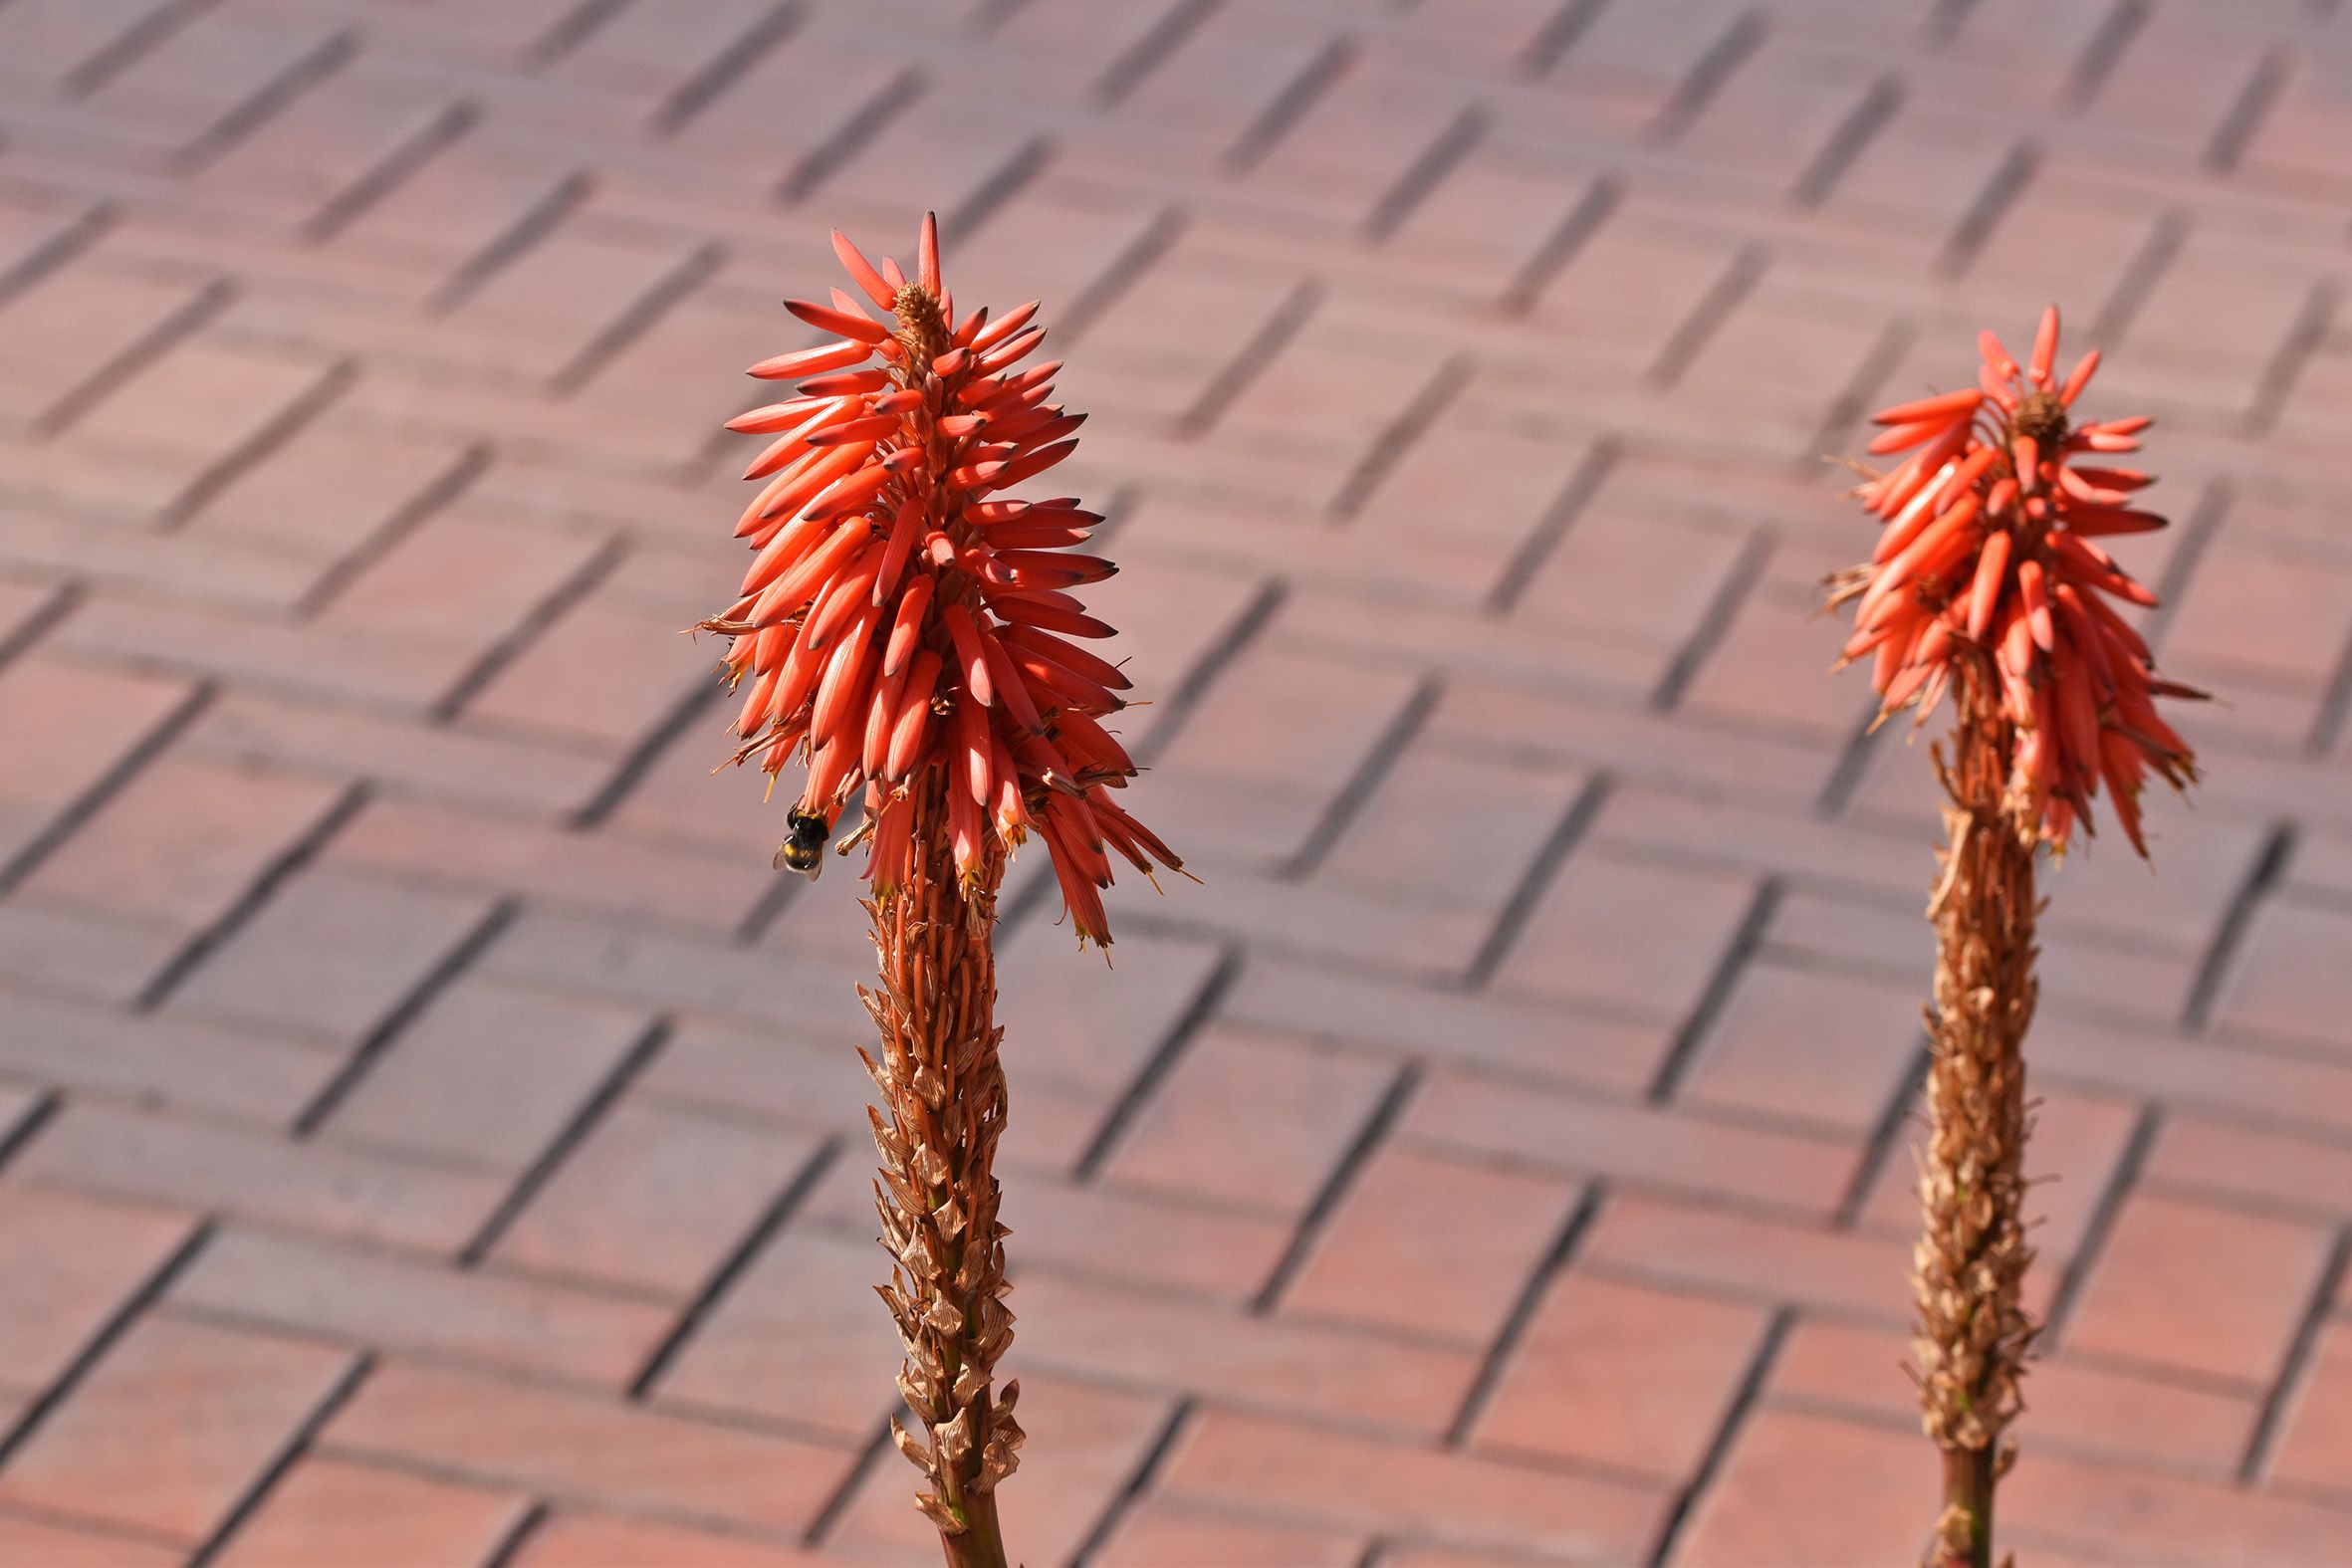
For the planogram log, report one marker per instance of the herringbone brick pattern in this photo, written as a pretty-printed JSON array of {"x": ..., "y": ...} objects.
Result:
[{"x": 431, "y": 1132}]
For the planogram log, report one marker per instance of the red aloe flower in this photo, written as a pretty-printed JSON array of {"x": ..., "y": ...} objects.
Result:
[
  {"x": 902, "y": 614},
  {"x": 1991, "y": 548}
]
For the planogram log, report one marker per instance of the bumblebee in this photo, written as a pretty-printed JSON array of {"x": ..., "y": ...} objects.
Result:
[{"x": 803, "y": 849}]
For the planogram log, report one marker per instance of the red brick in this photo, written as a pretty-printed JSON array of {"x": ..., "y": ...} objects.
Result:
[
  {"x": 2175, "y": 902},
  {"x": 1425, "y": 1245},
  {"x": 374, "y": 1298},
  {"x": 69, "y": 1546},
  {"x": 2196, "y": 1286},
  {"x": 1354, "y": 141},
  {"x": 2283, "y": 982},
  {"x": 2198, "y": 1071},
  {"x": 1591, "y": 1135},
  {"x": 402, "y": 756},
  {"x": 201, "y": 403},
  {"x": 1304, "y": 1108},
  {"x": 1340, "y": 1480},
  {"x": 1449, "y": 633},
  {"x": 488, "y": 1076},
  {"x": 2315, "y": 1430},
  {"x": 599, "y": 870},
  {"x": 464, "y": 579},
  {"x": 809, "y": 1083},
  {"x": 303, "y": 499},
  {"x": 535, "y": 317},
  {"x": 2208, "y": 1156},
  {"x": 1057, "y": 1129},
  {"x": 66, "y": 950},
  {"x": 588, "y": 1540},
  {"x": 2254, "y": 608},
  {"x": 2147, "y": 1515},
  {"x": 1643, "y": 936},
  {"x": 1260, "y": 756},
  {"x": 259, "y": 1176},
  {"x": 678, "y": 800},
  {"x": 59, "y": 334},
  {"x": 655, "y": 1198},
  {"x": 328, "y": 140},
  {"x": 68, "y": 1266},
  {"x": 177, "y": 91},
  {"x": 1315, "y": 921},
  {"x": 1095, "y": 1330},
  {"x": 1799, "y": 1487},
  {"x": 1545, "y": 1042},
  {"x": 1606, "y": 578},
  {"x": 607, "y": 956},
  {"x": 355, "y": 945},
  {"x": 1767, "y": 673},
  {"x": 759, "y": 117},
  {"x": 2082, "y": 968},
  {"x": 1488, "y": 221},
  {"x": 1769, "y": 1259},
  {"x": 67, "y": 725},
  {"x": 1086, "y": 1443},
  {"x": 1811, "y": 1046},
  {"x": 606, "y": 673},
  {"x": 1621, "y": 1374},
  {"x": 38, "y": 223},
  {"x": 1140, "y": 1238},
  {"x": 1158, "y": 1533},
  {"x": 796, "y": 1335},
  {"x": 1676, "y": 824},
  {"x": 172, "y": 1427},
  {"x": 646, "y": 56},
  {"x": 1088, "y": 1024},
  {"x": 1180, "y": 325},
  {"x": 1486, "y": 717},
  {"x": 17, "y": 1111},
  {"x": 459, "y": 202},
  {"x": 577, "y": 1448},
  {"x": 183, "y": 840},
  {"x": 24, "y": 605},
  {"x": 330, "y": 1510},
  {"x": 1378, "y": 898},
  {"x": 277, "y": 656},
  {"x": 1412, "y": 531}
]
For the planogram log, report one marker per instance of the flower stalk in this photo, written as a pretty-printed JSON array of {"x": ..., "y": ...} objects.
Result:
[
  {"x": 1989, "y": 582},
  {"x": 904, "y": 634},
  {"x": 943, "y": 1108},
  {"x": 1970, "y": 1260}
]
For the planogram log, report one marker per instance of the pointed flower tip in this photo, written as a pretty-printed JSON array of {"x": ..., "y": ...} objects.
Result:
[
  {"x": 903, "y": 631},
  {"x": 1987, "y": 570}
]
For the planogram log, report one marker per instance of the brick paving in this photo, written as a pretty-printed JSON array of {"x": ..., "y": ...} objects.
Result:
[{"x": 430, "y": 1132}]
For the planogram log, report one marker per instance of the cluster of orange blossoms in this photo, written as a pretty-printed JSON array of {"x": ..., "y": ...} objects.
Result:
[
  {"x": 902, "y": 615},
  {"x": 1991, "y": 548}
]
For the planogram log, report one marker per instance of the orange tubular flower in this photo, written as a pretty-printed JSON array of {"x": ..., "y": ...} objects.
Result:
[
  {"x": 1990, "y": 546},
  {"x": 903, "y": 614}
]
